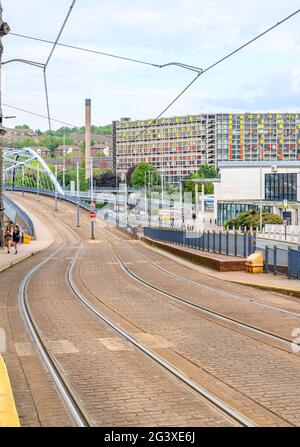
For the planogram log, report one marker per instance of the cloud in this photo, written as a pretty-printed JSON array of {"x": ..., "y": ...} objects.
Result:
[
  {"x": 296, "y": 81},
  {"x": 265, "y": 75}
]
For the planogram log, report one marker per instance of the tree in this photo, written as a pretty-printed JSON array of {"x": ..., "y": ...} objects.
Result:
[
  {"x": 251, "y": 219},
  {"x": 24, "y": 142},
  {"x": 129, "y": 175},
  {"x": 204, "y": 171},
  {"x": 144, "y": 174},
  {"x": 23, "y": 126},
  {"x": 108, "y": 179}
]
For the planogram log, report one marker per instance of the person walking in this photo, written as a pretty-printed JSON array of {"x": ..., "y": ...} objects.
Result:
[
  {"x": 8, "y": 238},
  {"x": 16, "y": 238}
]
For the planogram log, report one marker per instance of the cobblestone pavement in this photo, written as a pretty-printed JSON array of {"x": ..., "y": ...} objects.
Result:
[
  {"x": 115, "y": 384},
  {"x": 209, "y": 296},
  {"x": 264, "y": 375},
  {"x": 258, "y": 379},
  {"x": 35, "y": 395}
]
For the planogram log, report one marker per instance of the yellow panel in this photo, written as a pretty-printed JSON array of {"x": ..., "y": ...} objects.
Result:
[{"x": 8, "y": 412}]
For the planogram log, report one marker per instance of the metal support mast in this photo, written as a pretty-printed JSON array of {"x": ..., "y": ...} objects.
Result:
[{"x": 4, "y": 30}]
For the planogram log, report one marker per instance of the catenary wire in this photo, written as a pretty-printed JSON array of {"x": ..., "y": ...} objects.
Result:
[
  {"x": 47, "y": 63},
  {"x": 103, "y": 53},
  {"x": 39, "y": 115},
  {"x": 232, "y": 53},
  {"x": 192, "y": 82}
]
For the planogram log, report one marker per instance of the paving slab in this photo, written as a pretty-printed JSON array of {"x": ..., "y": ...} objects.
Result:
[{"x": 44, "y": 239}]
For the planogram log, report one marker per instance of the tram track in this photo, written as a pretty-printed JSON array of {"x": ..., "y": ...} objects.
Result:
[
  {"x": 75, "y": 408},
  {"x": 213, "y": 289},
  {"x": 51, "y": 365},
  {"x": 212, "y": 399},
  {"x": 206, "y": 310}
]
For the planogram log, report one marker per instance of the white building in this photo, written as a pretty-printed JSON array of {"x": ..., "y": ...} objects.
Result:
[{"x": 245, "y": 184}]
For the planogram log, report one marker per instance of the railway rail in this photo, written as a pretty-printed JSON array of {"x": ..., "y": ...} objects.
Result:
[
  {"x": 58, "y": 377},
  {"x": 78, "y": 413},
  {"x": 197, "y": 307}
]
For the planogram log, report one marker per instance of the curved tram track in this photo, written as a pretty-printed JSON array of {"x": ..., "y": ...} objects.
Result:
[
  {"x": 76, "y": 409},
  {"x": 196, "y": 307}
]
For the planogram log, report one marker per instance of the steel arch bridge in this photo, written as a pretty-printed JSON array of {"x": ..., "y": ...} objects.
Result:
[{"x": 25, "y": 167}]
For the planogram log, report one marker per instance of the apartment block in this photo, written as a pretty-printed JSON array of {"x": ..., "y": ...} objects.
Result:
[
  {"x": 175, "y": 146},
  {"x": 259, "y": 136}
]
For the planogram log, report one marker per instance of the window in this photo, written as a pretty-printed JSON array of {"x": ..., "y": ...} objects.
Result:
[
  {"x": 280, "y": 187},
  {"x": 228, "y": 211}
]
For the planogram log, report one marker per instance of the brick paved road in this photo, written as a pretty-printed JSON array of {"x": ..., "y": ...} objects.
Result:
[
  {"x": 32, "y": 385},
  {"x": 265, "y": 375},
  {"x": 115, "y": 383},
  {"x": 260, "y": 379}
]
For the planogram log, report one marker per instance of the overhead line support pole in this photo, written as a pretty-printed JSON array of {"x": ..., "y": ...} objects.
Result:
[{"x": 4, "y": 30}]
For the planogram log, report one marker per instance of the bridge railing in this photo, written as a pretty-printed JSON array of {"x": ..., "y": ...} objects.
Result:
[
  {"x": 22, "y": 215},
  {"x": 72, "y": 199}
]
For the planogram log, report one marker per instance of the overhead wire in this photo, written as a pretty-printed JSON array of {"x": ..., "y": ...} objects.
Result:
[
  {"x": 39, "y": 115},
  {"x": 106, "y": 54},
  {"x": 199, "y": 71},
  {"x": 48, "y": 61},
  {"x": 232, "y": 53}
]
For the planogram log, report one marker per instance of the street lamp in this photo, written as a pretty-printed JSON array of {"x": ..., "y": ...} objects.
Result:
[
  {"x": 78, "y": 196},
  {"x": 4, "y": 30},
  {"x": 64, "y": 161},
  {"x": 261, "y": 193},
  {"x": 124, "y": 180}
]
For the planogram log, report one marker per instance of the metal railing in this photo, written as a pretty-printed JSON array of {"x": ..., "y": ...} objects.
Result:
[
  {"x": 294, "y": 263},
  {"x": 276, "y": 260},
  {"x": 22, "y": 215},
  {"x": 239, "y": 245},
  {"x": 72, "y": 199}
]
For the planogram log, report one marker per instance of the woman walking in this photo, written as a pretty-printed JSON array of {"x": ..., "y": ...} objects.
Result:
[
  {"x": 8, "y": 238},
  {"x": 16, "y": 238}
]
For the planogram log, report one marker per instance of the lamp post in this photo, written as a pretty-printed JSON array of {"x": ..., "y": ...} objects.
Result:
[
  {"x": 92, "y": 198},
  {"x": 23, "y": 181},
  {"x": 261, "y": 194},
  {"x": 182, "y": 204},
  {"x": 38, "y": 185},
  {"x": 4, "y": 30},
  {"x": 64, "y": 161},
  {"x": 56, "y": 190},
  {"x": 78, "y": 196}
]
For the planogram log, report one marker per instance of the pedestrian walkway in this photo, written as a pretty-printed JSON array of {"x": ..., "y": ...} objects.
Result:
[{"x": 44, "y": 239}]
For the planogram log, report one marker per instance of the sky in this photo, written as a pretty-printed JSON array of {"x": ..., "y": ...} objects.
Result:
[{"x": 263, "y": 77}]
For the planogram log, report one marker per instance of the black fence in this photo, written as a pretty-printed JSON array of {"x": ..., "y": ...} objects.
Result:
[
  {"x": 294, "y": 263},
  {"x": 28, "y": 225},
  {"x": 240, "y": 245}
]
